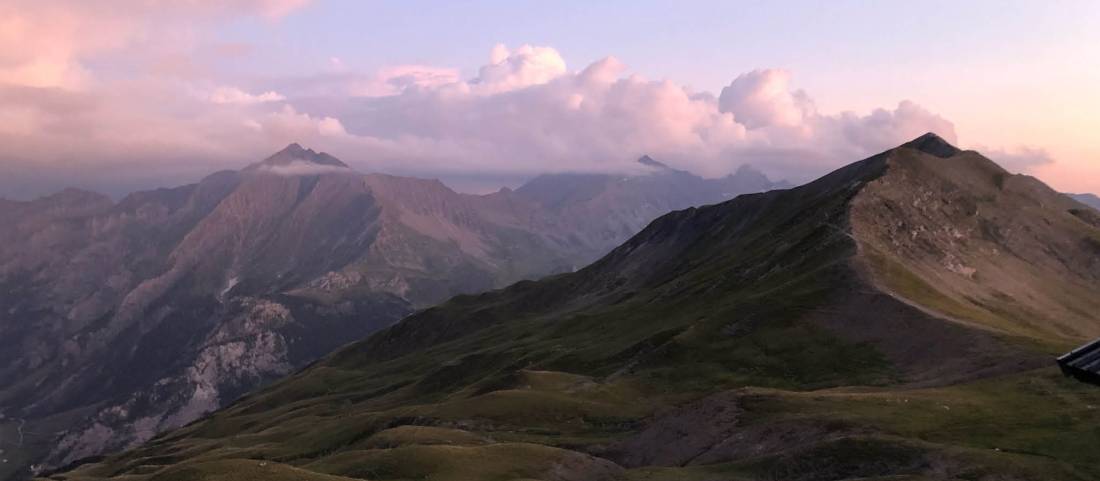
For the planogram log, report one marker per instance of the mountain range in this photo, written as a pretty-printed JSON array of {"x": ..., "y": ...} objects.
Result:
[
  {"x": 896, "y": 319},
  {"x": 124, "y": 319}
]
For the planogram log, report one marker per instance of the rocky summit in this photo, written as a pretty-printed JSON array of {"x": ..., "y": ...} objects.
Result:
[
  {"x": 895, "y": 319},
  {"x": 124, "y": 319}
]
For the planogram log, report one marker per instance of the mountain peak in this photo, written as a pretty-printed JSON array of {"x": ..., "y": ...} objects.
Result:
[
  {"x": 933, "y": 144},
  {"x": 296, "y": 153},
  {"x": 649, "y": 162}
]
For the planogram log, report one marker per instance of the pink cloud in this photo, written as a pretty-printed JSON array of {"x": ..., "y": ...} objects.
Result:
[
  {"x": 524, "y": 113},
  {"x": 43, "y": 42},
  {"x": 763, "y": 98},
  {"x": 601, "y": 118},
  {"x": 234, "y": 95},
  {"x": 522, "y": 67}
]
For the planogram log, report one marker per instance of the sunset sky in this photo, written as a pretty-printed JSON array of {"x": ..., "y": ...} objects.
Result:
[{"x": 128, "y": 94}]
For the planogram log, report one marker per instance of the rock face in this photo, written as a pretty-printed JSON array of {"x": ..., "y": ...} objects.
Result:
[
  {"x": 121, "y": 320},
  {"x": 894, "y": 319}
]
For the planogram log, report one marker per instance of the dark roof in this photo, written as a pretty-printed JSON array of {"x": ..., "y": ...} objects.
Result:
[{"x": 1083, "y": 363}]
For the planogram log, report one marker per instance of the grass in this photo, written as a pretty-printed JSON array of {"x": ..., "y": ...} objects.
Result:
[
  {"x": 1032, "y": 425},
  {"x": 531, "y": 381},
  {"x": 240, "y": 470},
  {"x": 497, "y": 462},
  {"x": 1038, "y": 414},
  {"x": 422, "y": 435},
  {"x": 500, "y": 396}
]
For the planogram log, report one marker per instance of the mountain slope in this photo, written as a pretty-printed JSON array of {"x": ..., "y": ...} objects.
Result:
[
  {"x": 894, "y": 318},
  {"x": 1090, "y": 200},
  {"x": 141, "y": 316},
  {"x": 125, "y": 319}
]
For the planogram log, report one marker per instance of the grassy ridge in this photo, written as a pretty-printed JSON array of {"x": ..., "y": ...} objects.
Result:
[{"x": 730, "y": 342}]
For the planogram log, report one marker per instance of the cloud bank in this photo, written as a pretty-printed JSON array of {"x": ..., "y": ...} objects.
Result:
[
  {"x": 525, "y": 112},
  {"x": 1020, "y": 159},
  {"x": 300, "y": 168}
]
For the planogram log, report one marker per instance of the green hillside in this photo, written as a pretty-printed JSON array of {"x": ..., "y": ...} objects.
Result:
[{"x": 896, "y": 319}]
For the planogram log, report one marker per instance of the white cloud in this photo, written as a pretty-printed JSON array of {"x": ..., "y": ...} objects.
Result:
[
  {"x": 233, "y": 95},
  {"x": 290, "y": 124},
  {"x": 396, "y": 79},
  {"x": 523, "y": 67},
  {"x": 523, "y": 114},
  {"x": 763, "y": 98},
  {"x": 300, "y": 168}
]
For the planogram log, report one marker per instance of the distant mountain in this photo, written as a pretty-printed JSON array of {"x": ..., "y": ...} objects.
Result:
[
  {"x": 895, "y": 319},
  {"x": 605, "y": 210},
  {"x": 121, "y": 320},
  {"x": 1090, "y": 200},
  {"x": 296, "y": 154}
]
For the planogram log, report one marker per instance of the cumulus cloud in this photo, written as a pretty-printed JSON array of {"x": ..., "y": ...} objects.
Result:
[
  {"x": 525, "y": 113},
  {"x": 288, "y": 123},
  {"x": 522, "y": 114},
  {"x": 522, "y": 67},
  {"x": 763, "y": 98},
  {"x": 233, "y": 95}
]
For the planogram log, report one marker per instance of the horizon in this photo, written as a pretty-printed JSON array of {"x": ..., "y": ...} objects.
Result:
[
  {"x": 290, "y": 170},
  {"x": 134, "y": 95}
]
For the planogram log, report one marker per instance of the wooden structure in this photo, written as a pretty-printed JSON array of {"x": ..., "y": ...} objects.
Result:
[{"x": 1083, "y": 363}]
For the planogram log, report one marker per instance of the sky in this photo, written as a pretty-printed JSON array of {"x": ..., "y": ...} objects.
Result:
[{"x": 118, "y": 95}]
